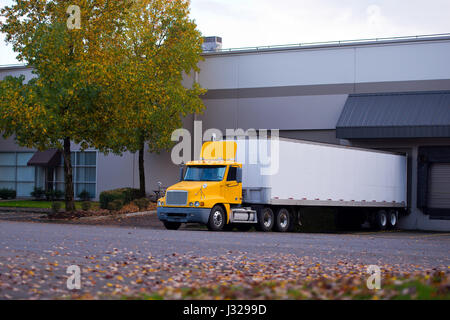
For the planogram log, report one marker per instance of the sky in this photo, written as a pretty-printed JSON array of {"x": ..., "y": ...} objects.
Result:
[{"x": 249, "y": 23}]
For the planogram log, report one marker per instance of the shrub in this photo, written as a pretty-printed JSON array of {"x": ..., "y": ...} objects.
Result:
[
  {"x": 86, "y": 205},
  {"x": 56, "y": 206},
  {"x": 52, "y": 195},
  {"x": 142, "y": 203},
  {"x": 38, "y": 193},
  {"x": 84, "y": 195},
  {"x": 7, "y": 194},
  {"x": 126, "y": 195},
  {"x": 59, "y": 194},
  {"x": 115, "y": 205}
]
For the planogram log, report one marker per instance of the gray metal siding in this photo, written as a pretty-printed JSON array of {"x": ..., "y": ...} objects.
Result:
[{"x": 395, "y": 115}]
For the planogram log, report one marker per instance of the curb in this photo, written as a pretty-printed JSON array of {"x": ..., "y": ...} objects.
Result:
[{"x": 133, "y": 214}]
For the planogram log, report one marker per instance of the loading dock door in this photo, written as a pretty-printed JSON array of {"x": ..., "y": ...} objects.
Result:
[{"x": 439, "y": 186}]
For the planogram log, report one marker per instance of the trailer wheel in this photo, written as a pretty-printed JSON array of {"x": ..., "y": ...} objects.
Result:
[
  {"x": 381, "y": 220},
  {"x": 171, "y": 225},
  {"x": 266, "y": 219},
  {"x": 282, "y": 220},
  {"x": 217, "y": 219},
  {"x": 392, "y": 219}
]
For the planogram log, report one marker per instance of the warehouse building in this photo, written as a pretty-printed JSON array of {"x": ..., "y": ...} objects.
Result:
[{"x": 389, "y": 94}]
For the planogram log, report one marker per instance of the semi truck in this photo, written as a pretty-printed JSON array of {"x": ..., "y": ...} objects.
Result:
[{"x": 268, "y": 183}]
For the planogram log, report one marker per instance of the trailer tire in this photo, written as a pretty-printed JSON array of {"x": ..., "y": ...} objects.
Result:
[
  {"x": 392, "y": 219},
  {"x": 283, "y": 220},
  {"x": 266, "y": 219},
  {"x": 217, "y": 218},
  {"x": 171, "y": 225},
  {"x": 381, "y": 220}
]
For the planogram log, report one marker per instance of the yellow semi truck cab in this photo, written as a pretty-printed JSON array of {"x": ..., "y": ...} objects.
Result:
[{"x": 209, "y": 189}]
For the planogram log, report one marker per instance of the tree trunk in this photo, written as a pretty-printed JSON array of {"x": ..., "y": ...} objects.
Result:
[
  {"x": 142, "y": 171},
  {"x": 68, "y": 176}
]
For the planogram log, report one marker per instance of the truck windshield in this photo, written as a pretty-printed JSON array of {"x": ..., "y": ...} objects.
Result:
[{"x": 204, "y": 173}]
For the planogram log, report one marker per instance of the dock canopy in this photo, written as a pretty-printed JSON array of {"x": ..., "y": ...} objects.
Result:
[
  {"x": 47, "y": 158},
  {"x": 395, "y": 115}
]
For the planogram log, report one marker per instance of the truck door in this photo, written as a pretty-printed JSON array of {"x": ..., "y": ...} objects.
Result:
[{"x": 233, "y": 189}]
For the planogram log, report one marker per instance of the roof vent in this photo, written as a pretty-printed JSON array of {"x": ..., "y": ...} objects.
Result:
[{"x": 212, "y": 44}]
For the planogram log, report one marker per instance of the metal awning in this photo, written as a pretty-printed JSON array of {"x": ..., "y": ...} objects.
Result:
[
  {"x": 395, "y": 115},
  {"x": 47, "y": 158}
]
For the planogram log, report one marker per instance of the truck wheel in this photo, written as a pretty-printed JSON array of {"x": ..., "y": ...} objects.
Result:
[
  {"x": 392, "y": 219},
  {"x": 266, "y": 220},
  {"x": 282, "y": 220},
  {"x": 381, "y": 220},
  {"x": 171, "y": 225},
  {"x": 217, "y": 219}
]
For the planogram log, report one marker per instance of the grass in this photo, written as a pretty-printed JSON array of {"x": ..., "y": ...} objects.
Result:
[{"x": 40, "y": 204}]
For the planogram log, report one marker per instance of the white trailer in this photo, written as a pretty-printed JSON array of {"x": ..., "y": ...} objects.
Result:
[{"x": 289, "y": 174}]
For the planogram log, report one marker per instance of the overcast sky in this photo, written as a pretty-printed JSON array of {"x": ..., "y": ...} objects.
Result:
[{"x": 243, "y": 23}]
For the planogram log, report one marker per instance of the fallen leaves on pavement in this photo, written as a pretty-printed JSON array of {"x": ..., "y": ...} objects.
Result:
[{"x": 124, "y": 274}]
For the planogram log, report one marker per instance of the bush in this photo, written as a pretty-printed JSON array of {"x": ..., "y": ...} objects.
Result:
[
  {"x": 38, "y": 193},
  {"x": 7, "y": 194},
  {"x": 59, "y": 194},
  {"x": 56, "y": 206},
  {"x": 115, "y": 205},
  {"x": 126, "y": 195},
  {"x": 52, "y": 195},
  {"x": 86, "y": 205},
  {"x": 142, "y": 203},
  {"x": 84, "y": 195}
]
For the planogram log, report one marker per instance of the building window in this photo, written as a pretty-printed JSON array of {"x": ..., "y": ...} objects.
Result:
[
  {"x": 84, "y": 170},
  {"x": 15, "y": 174}
]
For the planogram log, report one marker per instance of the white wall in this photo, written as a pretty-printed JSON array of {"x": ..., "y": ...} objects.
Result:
[{"x": 410, "y": 61}]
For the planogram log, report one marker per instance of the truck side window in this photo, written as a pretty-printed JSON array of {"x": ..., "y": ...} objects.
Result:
[{"x": 232, "y": 174}]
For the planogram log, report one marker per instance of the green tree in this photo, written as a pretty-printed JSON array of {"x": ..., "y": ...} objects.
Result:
[
  {"x": 67, "y": 101},
  {"x": 161, "y": 44}
]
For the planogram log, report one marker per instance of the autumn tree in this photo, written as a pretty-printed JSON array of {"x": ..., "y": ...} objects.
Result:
[
  {"x": 74, "y": 63},
  {"x": 161, "y": 46}
]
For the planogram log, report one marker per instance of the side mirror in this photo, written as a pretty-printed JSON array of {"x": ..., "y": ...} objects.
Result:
[{"x": 239, "y": 175}]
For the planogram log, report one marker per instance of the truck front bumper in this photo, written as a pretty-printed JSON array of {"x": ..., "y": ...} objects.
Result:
[{"x": 184, "y": 215}]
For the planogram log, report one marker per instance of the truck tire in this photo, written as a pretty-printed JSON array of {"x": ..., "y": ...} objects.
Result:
[
  {"x": 217, "y": 219},
  {"x": 283, "y": 220},
  {"x": 266, "y": 220},
  {"x": 392, "y": 219},
  {"x": 171, "y": 225},
  {"x": 381, "y": 220}
]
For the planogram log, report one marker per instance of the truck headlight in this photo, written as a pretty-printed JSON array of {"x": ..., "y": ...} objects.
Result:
[
  {"x": 160, "y": 203},
  {"x": 191, "y": 204},
  {"x": 197, "y": 204}
]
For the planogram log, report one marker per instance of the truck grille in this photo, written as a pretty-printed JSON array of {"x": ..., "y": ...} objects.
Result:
[{"x": 176, "y": 198}]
